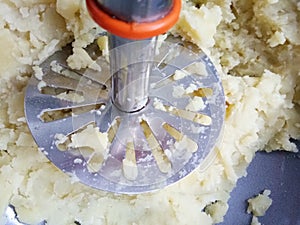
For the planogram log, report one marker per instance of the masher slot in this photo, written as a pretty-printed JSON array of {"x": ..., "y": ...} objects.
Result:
[
  {"x": 161, "y": 158},
  {"x": 187, "y": 92},
  {"x": 188, "y": 143},
  {"x": 93, "y": 75},
  {"x": 65, "y": 126},
  {"x": 49, "y": 116},
  {"x": 187, "y": 127},
  {"x": 63, "y": 140},
  {"x": 94, "y": 152},
  {"x": 52, "y": 115},
  {"x": 64, "y": 70},
  {"x": 71, "y": 89},
  {"x": 57, "y": 80},
  {"x": 129, "y": 166},
  {"x": 166, "y": 80},
  {"x": 59, "y": 92},
  {"x": 185, "y": 80},
  {"x": 179, "y": 62},
  {"x": 113, "y": 129},
  {"x": 162, "y": 53},
  {"x": 189, "y": 115},
  {"x": 90, "y": 76}
]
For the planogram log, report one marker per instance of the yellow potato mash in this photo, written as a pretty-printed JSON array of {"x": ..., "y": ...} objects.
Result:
[{"x": 255, "y": 46}]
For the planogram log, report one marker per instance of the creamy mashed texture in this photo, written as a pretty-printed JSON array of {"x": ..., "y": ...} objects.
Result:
[{"x": 255, "y": 45}]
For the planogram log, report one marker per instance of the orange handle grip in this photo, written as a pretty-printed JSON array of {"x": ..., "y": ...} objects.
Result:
[{"x": 134, "y": 30}]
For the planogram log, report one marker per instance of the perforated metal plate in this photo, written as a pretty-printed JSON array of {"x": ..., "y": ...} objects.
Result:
[{"x": 164, "y": 141}]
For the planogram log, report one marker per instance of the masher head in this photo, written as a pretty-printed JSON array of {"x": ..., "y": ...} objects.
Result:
[{"x": 140, "y": 151}]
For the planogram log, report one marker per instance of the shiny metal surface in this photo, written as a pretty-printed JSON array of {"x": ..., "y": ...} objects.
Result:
[
  {"x": 136, "y": 10},
  {"x": 130, "y": 81},
  {"x": 151, "y": 130}
]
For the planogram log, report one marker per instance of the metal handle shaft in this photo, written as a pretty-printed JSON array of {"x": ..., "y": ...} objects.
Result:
[
  {"x": 136, "y": 10},
  {"x": 130, "y": 65}
]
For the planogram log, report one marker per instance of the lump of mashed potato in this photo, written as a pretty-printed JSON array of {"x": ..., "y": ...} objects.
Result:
[
  {"x": 259, "y": 204},
  {"x": 255, "y": 46}
]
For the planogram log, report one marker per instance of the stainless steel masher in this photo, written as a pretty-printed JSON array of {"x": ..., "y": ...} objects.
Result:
[{"x": 159, "y": 104}]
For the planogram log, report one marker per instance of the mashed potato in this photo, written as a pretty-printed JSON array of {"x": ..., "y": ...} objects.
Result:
[
  {"x": 255, "y": 45},
  {"x": 259, "y": 204}
]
